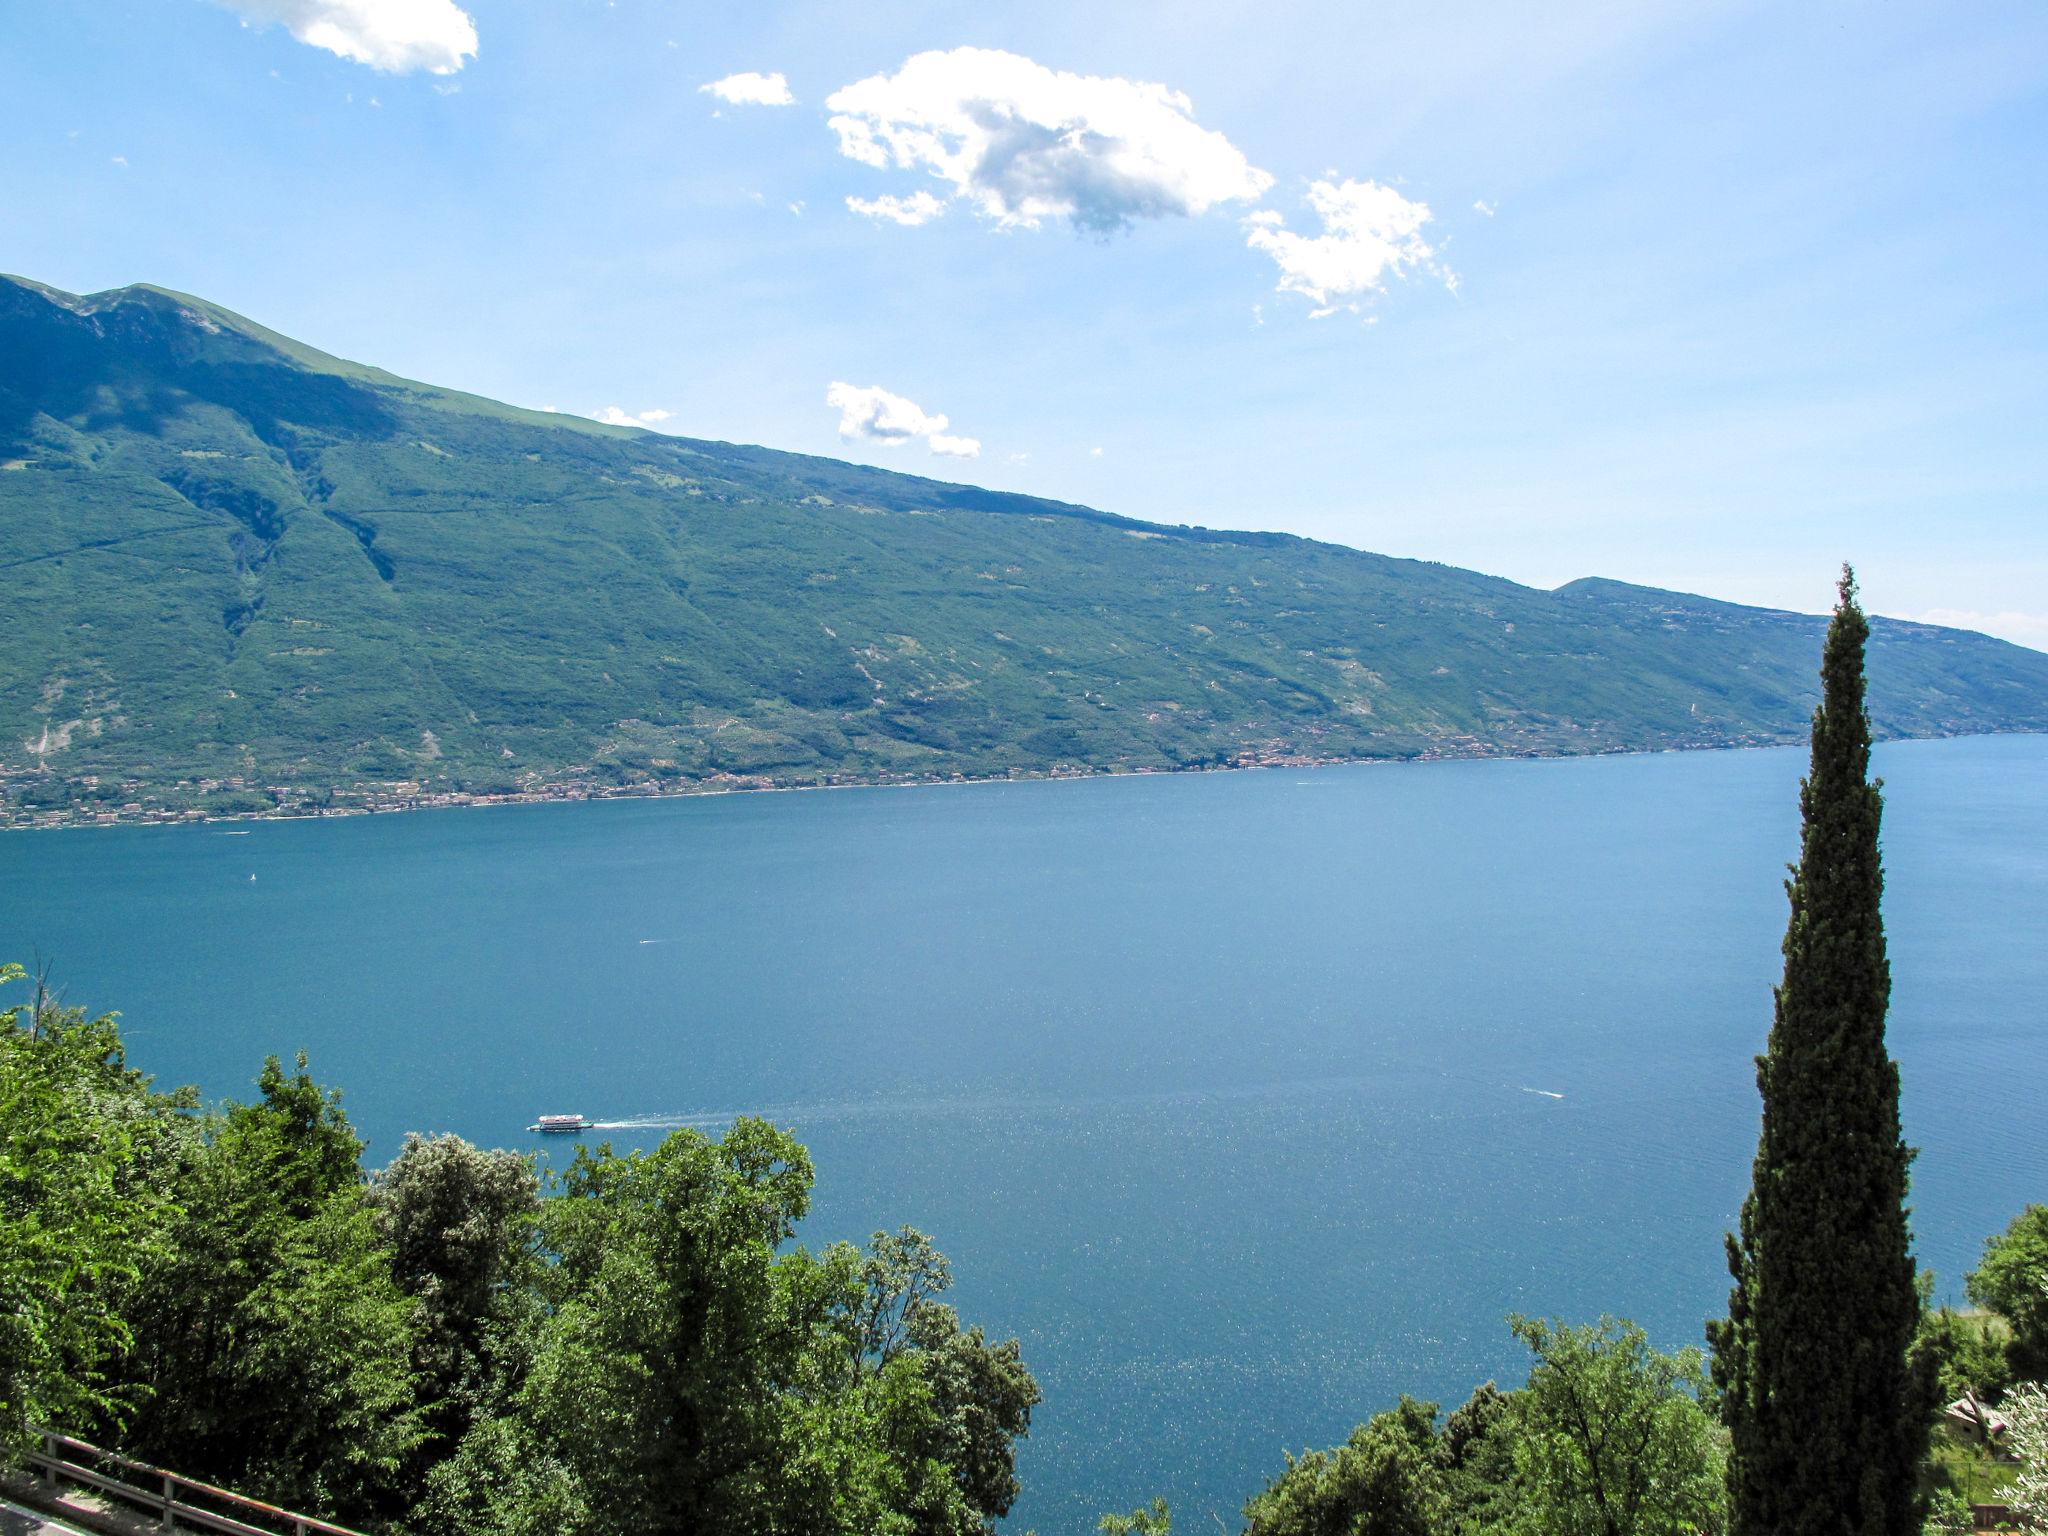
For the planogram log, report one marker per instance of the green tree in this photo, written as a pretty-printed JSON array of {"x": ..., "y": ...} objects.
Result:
[
  {"x": 81, "y": 1143},
  {"x": 2027, "y": 1409},
  {"x": 972, "y": 1400},
  {"x": 1827, "y": 1413},
  {"x": 676, "y": 1330},
  {"x": 1153, "y": 1520},
  {"x": 694, "y": 1371},
  {"x": 1967, "y": 1353},
  {"x": 271, "y": 1346},
  {"x": 505, "y": 1480},
  {"x": 462, "y": 1227},
  {"x": 1386, "y": 1480},
  {"x": 1609, "y": 1438},
  {"x": 2012, "y": 1281},
  {"x": 1476, "y": 1452}
]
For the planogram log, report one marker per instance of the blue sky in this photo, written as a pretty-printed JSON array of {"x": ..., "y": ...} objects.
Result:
[{"x": 1708, "y": 295}]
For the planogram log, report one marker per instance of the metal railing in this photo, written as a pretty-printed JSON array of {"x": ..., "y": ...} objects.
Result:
[{"x": 167, "y": 1495}]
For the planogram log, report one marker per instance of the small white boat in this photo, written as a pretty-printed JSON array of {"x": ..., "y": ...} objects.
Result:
[{"x": 560, "y": 1125}]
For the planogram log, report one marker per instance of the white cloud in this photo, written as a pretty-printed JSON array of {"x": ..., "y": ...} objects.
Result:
[
  {"x": 874, "y": 415},
  {"x": 2028, "y": 629},
  {"x": 398, "y": 36},
  {"x": 614, "y": 416},
  {"x": 1483, "y": 207},
  {"x": 1094, "y": 453},
  {"x": 120, "y": 160},
  {"x": 1368, "y": 231},
  {"x": 1025, "y": 143},
  {"x": 752, "y": 90},
  {"x": 918, "y": 208}
]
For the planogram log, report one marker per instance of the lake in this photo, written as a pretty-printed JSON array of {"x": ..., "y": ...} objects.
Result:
[{"x": 1248, "y": 1100}]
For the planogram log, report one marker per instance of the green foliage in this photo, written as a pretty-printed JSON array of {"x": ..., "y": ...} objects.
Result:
[
  {"x": 1827, "y": 1410},
  {"x": 2012, "y": 1280},
  {"x": 320, "y": 1380},
  {"x": 1477, "y": 1453},
  {"x": 1966, "y": 1352},
  {"x": 974, "y": 1400},
  {"x": 957, "y": 1404},
  {"x": 694, "y": 1371},
  {"x": 501, "y": 1482},
  {"x": 1386, "y": 1480},
  {"x": 1947, "y": 1515},
  {"x": 1609, "y": 1438},
  {"x": 462, "y": 1230},
  {"x": 2027, "y": 1408},
  {"x": 676, "y": 1329},
  {"x": 79, "y": 1134},
  {"x": 1155, "y": 1520},
  {"x": 1964, "y": 1467},
  {"x": 271, "y": 570},
  {"x": 443, "y": 1349},
  {"x": 271, "y": 1346}
]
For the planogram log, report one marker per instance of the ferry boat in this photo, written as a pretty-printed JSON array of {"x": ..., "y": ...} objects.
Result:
[{"x": 561, "y": 1125}]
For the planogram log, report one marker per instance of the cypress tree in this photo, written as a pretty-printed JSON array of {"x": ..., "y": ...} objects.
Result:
[{"x": 1828, "y": 1414}]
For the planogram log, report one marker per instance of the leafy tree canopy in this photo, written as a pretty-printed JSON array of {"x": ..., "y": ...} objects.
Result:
[
  {"x": 1384, "y": 1481},
  {"x": 1146, "y": 1520},
  {"x": 1609, "y": 1438},
  {"x": 2012, "y": 1280},
  {"x": 80, "y": 1134}
]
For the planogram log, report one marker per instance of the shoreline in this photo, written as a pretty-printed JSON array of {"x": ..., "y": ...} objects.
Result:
[{"x": 449, "y": 800}]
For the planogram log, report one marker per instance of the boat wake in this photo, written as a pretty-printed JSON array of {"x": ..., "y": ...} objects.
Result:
[{"x": 814, "y": 1113}]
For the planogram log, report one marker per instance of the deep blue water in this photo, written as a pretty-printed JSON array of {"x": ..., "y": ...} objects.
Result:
[{"x": 1248, "y": 1100}]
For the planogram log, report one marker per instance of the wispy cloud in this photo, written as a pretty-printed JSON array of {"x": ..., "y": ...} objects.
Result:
[
  {"x": 871, "y": 414},
  {"x": 1369, "y": 230},
  {"x": 616, "y": 416},
  {"x": 751, "y": 89},
  {"x": 1023, "y": 143},
  {"x": 918, "y": 208},
  {"x": 396, "y": 36}
]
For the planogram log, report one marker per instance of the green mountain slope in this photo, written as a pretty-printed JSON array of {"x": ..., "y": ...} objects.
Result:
[{"x": 247, "y": 573}]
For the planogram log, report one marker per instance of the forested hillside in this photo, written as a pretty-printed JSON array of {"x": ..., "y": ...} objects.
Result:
[{"x": 249, "y": 575}]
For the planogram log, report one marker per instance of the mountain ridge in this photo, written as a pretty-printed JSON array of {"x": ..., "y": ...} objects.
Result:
[{"x": 265, "y": 577}]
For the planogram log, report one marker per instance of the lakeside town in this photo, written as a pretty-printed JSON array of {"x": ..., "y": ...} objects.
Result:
[{"x": 104, "y": 802}]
